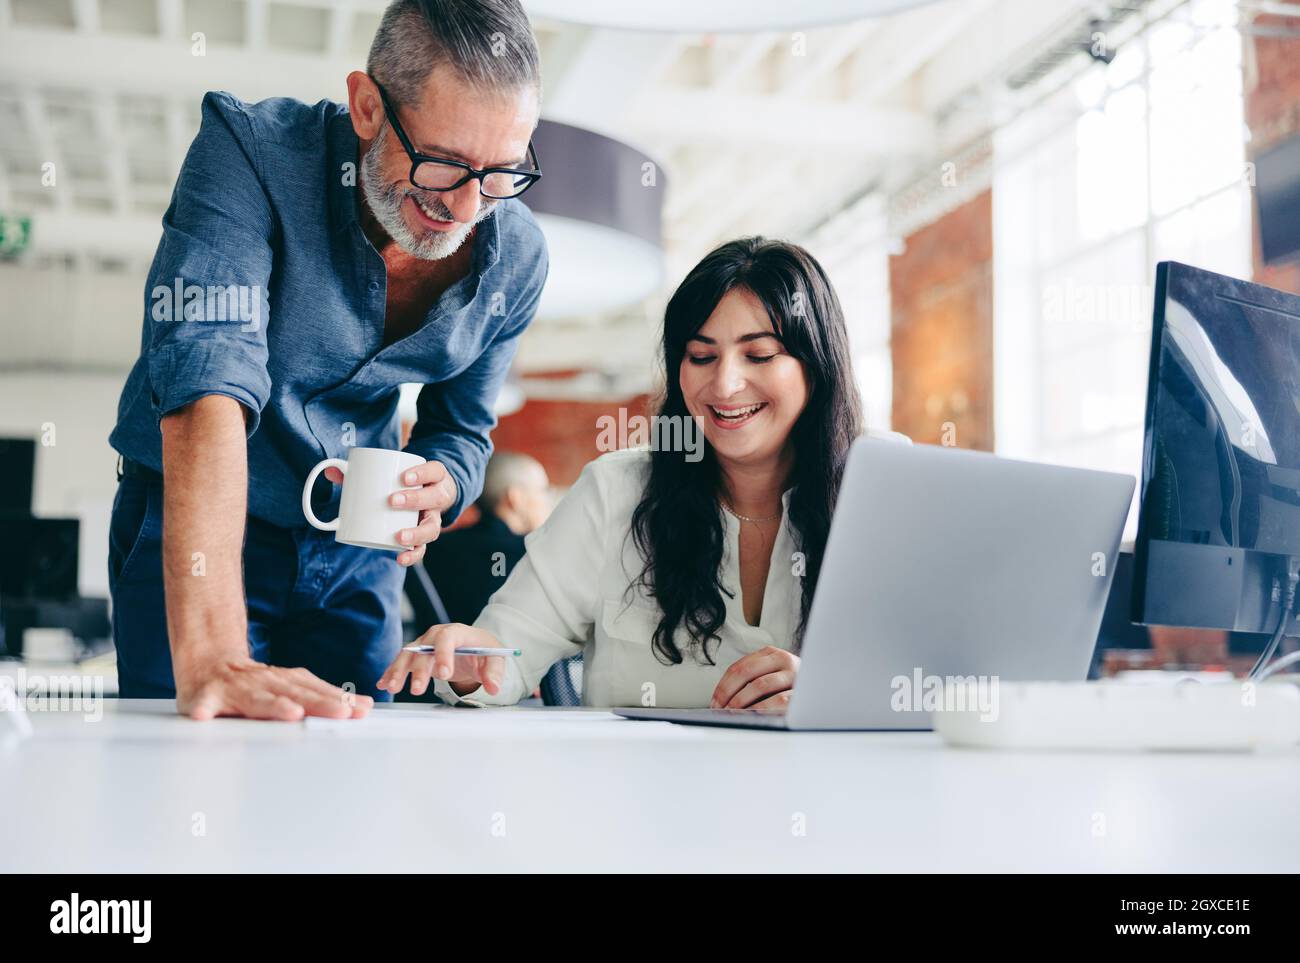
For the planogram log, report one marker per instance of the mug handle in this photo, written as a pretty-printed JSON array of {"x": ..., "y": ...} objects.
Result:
[{"x": 331, "y": 526}]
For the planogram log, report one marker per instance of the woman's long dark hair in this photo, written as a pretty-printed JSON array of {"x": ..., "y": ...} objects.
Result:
[{"x": 678, "y": 525}]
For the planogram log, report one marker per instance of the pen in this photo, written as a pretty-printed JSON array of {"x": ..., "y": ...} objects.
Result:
[{"x": 465, "y": 650}]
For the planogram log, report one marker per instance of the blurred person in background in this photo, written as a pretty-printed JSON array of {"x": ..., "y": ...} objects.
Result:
[{"x": 468, "y": 564}]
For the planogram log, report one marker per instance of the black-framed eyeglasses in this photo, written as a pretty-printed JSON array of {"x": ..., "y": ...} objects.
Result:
[{"x": 440, "y": 174}]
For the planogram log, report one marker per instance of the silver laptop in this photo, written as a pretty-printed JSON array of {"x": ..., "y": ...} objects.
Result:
[{"x": 944, "y": 566}]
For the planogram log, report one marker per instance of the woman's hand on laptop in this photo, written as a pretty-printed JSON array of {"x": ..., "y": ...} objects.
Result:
[
  {"x": 464, "y": 673},
  {"x": 761, "y": 681}
]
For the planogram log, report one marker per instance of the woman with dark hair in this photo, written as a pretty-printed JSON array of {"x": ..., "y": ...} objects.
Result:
[{"x": 685, "y": 573}]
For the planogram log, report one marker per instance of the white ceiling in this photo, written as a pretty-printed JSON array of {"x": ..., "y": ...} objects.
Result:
[{"x": 770, "y": 132}]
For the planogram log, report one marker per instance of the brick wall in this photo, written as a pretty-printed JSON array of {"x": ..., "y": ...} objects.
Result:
[
  {"x": 561, "y": 434},
  {"x": 941, "y": 289}
]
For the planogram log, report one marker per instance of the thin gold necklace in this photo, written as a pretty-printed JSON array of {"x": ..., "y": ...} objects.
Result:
[{"x": 745, "y": 518}]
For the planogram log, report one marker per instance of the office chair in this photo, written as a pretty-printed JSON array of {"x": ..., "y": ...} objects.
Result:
[
  {"x": 562, "y": 684},
  {"x": 424, "y": 598}
]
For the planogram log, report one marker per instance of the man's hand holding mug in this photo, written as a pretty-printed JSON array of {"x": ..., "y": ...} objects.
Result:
[{"x": 375, "y": 511}]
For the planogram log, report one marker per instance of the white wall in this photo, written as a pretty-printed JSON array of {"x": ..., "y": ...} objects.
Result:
[
  {"x": 73, "y": 318},
  {"x": 75, "y": 476}
]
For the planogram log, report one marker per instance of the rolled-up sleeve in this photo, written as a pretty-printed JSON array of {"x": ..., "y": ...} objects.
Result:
[
  {"x": 455, "y": 418},
  {"x": 547, "y": 607},
  {"x": 206, "y": 299}
]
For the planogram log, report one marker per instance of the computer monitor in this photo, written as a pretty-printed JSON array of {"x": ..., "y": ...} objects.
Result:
[
  {"x": 17, "y": 470},
  {"x": 39, "y": 560},
  {"x": 1220, "y": 506}
]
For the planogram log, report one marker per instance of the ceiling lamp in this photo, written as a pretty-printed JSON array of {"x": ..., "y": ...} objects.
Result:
[{"x": 600, "y": 205}]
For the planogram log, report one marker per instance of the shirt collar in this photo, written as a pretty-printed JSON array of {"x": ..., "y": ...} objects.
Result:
[
  {"x": 344, "y": 149},
  {"x": 487, "y": 242},
  {"x": 490, "y": 521}
]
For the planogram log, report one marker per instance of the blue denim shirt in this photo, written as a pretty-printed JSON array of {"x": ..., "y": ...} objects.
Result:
[{"x": 265, "y": 288}]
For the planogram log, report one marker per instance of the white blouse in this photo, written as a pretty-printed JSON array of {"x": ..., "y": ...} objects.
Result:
[{"x": 570, "y": 593}]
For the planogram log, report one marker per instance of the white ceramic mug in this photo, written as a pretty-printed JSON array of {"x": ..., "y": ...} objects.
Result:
[{"x": 366, "y": 519}]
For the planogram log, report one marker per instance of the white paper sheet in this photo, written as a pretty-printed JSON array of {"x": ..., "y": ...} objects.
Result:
[{"x": 514, "y": 723}]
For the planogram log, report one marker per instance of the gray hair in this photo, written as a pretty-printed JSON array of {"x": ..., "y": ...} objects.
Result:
[
  {"x": 490, "y": 43},
  {"x": 505, "y": 469}
]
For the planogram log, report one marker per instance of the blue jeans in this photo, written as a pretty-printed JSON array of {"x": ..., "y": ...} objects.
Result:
[{"x": 333, "y": 609}]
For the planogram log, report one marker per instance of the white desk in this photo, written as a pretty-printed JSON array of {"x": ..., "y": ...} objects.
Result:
[{"x": 426, "y": 790}]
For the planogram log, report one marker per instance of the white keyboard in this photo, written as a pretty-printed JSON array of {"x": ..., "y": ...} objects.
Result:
[{"x": 1212, "y": 716}]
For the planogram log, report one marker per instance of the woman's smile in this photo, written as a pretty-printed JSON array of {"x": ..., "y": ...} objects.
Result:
[{"x": 732, "y": 417}]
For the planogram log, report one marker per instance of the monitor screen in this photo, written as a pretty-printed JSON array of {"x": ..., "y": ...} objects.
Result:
[
  {"x": 17, "y": 468},
  {"x": 1277, "y": 191},
  {"x": 1226, "y": 466},
  {"x": 40, "y": 557}
]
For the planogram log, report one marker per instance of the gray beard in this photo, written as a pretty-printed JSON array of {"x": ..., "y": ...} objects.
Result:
[{"x": 385, "y": 203}]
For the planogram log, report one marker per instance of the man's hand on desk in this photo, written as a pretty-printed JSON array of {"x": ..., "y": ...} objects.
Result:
[
  {"x": 239, "y": 686},
  {"x": 436, "y": 494}
]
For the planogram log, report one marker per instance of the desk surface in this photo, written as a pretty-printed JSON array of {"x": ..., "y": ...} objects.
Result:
[{"x": 423, "y": 789}]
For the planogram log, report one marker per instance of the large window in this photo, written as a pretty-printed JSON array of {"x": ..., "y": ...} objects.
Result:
[
  {"x": 1136, "y": 161},
  {"x": 853, "y": 248}
]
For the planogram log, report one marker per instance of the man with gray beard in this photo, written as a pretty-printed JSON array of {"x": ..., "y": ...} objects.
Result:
[{"x": 223, "y": 597}]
